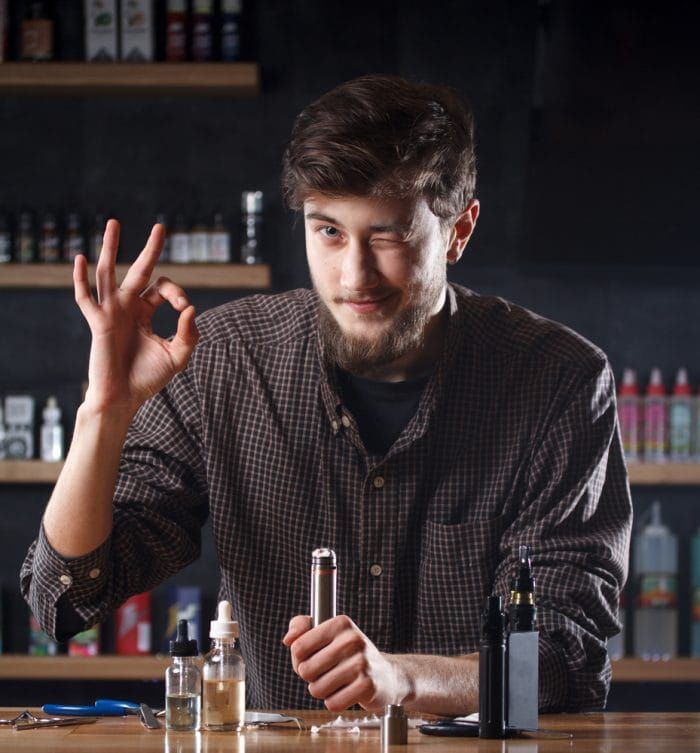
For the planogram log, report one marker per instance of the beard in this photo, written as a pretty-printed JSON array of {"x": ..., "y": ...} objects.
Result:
[{"x": 362, "y": 353}]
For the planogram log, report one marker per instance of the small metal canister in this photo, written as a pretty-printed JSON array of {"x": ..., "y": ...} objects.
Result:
[
  {"x": 323, "y": 585},
  {"x": 394, "y": 726}
]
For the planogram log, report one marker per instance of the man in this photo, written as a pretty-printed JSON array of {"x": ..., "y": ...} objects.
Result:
[{"x": 418, "y": 429}]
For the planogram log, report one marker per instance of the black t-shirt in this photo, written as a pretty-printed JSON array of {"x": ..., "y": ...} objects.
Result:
[{"x": 381, "y": 409}]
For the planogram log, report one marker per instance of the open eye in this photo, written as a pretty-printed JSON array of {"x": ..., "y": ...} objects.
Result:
[{"x": 328, "y": 231}]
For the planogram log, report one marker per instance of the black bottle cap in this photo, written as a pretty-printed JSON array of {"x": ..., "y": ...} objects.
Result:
[
  {"x": 182, "y": 645},
  {"x": 523, "y": 581}
]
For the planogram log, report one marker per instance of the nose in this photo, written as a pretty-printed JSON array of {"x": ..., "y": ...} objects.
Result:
[{"x": 358, "y": 270}]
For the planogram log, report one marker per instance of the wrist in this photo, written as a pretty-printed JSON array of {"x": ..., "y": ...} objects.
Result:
[
  {"x": 403, "y": 680},
  {"x": 115, "y": 419}
]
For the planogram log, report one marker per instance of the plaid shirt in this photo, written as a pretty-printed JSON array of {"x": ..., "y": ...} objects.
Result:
[{"x": 514, "y": 441}]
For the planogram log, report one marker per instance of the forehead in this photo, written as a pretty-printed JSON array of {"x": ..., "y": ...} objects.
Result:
[{"x": 379, "y": 212}]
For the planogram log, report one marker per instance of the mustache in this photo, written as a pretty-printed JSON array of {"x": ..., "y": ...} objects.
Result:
[{"x": 362, "y": 299}]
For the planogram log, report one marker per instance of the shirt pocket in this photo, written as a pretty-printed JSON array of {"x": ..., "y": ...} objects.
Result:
[{"x": 456, "y": 572}]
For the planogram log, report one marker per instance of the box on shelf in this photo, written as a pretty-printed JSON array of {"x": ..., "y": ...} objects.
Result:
[
  {"x": 40, "y": 643},
  {"x": 137, "y": 36},
  {"x": 133, "y": 626},
  {"x": 86, "y": 643},
  {"x": 100, "y": 30}
]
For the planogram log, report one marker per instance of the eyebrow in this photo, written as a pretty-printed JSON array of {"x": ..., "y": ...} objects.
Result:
[{"x": 398, "y": 228}]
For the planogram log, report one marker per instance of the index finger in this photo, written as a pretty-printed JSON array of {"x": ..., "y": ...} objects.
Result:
[
  {"x": 297, "y": 626},
  {"x": 141, "y": 270}
]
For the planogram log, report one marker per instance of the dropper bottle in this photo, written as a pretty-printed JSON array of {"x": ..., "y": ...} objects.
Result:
[
  {"x": 183, "y": 683},
  {"x": 224, "y": 675}
]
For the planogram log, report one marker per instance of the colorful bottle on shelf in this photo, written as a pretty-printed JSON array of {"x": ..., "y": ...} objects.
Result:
[
  {"x": 203, "y": 31},
  {"x": 223, "y": 697},
  {"x": 50, "y": 243},
  {"x": 656, "y": 570},
  {"x": 655, "y": 419},
  {"x": 25, "y": 251},
  {"x": 5, "y": 240},
  {"x": 52, "y": 432},
  {"x": 251, "y": 227},
  {"x": 629, "y": 408},
  {"x": 695, "y": 596},
  {"x": 230, "y": 29},
  {"x": 176, "y": 31},
  {"x": 183, "y": 683},
  {"x": 73, "y": 242},
  {"x": 680, "y": 419}
]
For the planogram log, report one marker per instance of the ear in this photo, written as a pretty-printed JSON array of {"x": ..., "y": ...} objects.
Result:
[{"x": 462, "y": 231}]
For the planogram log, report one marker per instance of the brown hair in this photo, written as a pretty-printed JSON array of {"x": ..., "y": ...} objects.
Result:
[{"x": 384, "y": 136}]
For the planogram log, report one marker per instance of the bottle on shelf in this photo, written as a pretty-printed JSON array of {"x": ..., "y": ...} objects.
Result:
[
  {"x": 230, "y": 30},
  {"x": 680, "y": 419},
  {"x": 176, "y": 31},
  {"x": 224, "y": 675},
  {"x": 2, "y": 433},
  {"x": 52, "y": 432},
  {"x": 162, "y": 219},
  {"x": 50, "y": 242},
  {"x": 5, "y": 239},
  {"x": 183, "y": 683},
  {"x": 695, "y": 596},
  {"x": 656, "y": 570},
  {"x": 73, "y": 241},
  {"x": 25, "y": 240},
  {"x": 220, "y": 241},
  {"x": 251, "y": 227},
  {"x": 629, "y": 408},
  {"x": 655, "y": 419},
  {"x": 96, "y": 236},
  {"x": 36, "y": 42},
  {"x": 199, "y": 242},
  {"x": 180, "y": 242},
  {"x": 203, "y": 31}
]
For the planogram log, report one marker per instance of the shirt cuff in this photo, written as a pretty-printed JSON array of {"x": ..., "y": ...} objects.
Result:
[
  {"x": 553, "y": 675},
  {"x": 81, "y": 578}
]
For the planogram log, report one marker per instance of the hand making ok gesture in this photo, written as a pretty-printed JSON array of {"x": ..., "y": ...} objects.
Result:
[{"x": 128, "y": 362}]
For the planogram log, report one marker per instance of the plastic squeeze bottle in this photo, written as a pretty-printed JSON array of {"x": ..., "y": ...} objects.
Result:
[
  {"x": 629, "y": 409},
  {"x": 224, "y": 675},
  {"x": 52, "y": 432},
  {"x": 655, "y": 409},
  {"x": 680, "y": 419},
  {"x": 656, "y": 568},
  {"x": 183, "y": 683},
  {"x": 695, "y": 604}
]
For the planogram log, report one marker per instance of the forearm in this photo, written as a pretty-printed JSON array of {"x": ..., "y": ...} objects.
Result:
[
  {"x": 446, "y": 685},
  {"x": 78, "y": 517}
]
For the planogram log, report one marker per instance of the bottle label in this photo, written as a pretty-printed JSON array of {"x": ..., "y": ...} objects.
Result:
[
  {"x": 629, "y": 417},
  {"x": 679, "y": 435},
  {"x": 655, "y": 430},
  {"x": 658, "y": 592}
]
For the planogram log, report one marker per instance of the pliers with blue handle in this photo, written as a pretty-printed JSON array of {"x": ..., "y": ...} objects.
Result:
[{"x": 106, "y": 707}]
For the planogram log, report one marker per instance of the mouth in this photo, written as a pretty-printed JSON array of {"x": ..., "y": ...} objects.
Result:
[{"x": 366, "y": 305}]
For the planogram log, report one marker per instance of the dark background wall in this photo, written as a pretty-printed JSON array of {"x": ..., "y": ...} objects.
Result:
[{"x": 588, "y": 157}]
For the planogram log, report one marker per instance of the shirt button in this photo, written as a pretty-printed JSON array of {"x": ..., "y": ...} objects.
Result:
[
  {"x": 376, "y": 570},
  {"x": 66, "y": 580},
  {"x": 345, "y": 421},
  {"x": 378, "y": 482},
  {"x": 334, "y": 424},
  {"x": 94, "y": 573}
]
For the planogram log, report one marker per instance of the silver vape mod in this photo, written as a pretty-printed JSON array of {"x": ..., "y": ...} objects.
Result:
[{"x": 323, "y": 581}]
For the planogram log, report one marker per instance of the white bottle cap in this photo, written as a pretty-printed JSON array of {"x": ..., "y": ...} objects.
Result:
[
  {"x": 224, "y": 626},
  {"x": 682, "y": 376},
  {"x": 656, "y": 377},
  {"x": 629, "y": 377}
]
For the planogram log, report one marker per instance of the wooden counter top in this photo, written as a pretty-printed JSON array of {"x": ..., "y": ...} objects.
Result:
[{"x": 593, "y": 733}]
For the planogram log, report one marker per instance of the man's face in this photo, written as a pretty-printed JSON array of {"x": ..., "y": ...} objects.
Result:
[{"x": 379, "y": 267}]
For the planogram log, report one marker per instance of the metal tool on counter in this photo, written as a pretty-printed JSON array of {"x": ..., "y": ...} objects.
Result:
[
  {"x": 394, "y": 726},
  {"x": 261, "y": 718},
  {"x": 323, "y": 585},
  {"x": 27, "y": 720},
  {"x": 107, "y": 707}
]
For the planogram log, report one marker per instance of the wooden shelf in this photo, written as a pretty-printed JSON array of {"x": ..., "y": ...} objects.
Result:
[
  {"x": 130, "y": 78},
  {"x": 21, "y": 666},
  {"x": 664, "y": 474},
  {"x": 29, "y": 472},
  {"x": 673, "y": 670},
  {"x": 251, "y": 276},
  {"x": 24, "y": 667}
]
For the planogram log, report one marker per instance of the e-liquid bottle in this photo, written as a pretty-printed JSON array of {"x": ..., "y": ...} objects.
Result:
[
  {"x": 74, "y": 242},
  {"x": 629, "y": 410},
  {"x": 680, "y": 419},
  {"x": 50, "y": 244},
  {"x": 655, "y": 413},
  {"x": 52, "y": 432},
  {"x": 96, "y": 237},
  {"x": 183, "y": 683},
  {"x": 5, "y": 240},
  {"x": 224, "y": 675},
  {"x": 25, "y": 240},
  {"x": 230, "y": 29}
]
